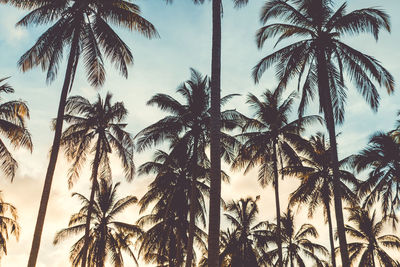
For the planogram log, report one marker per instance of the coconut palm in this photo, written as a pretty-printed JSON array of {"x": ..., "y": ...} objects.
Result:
[
  {"x": 8, "y": 224},
  {"x": 84, "y": 28},
  {"x": 97, "y": 127},
  {"x": 270, "y": 139},
  {"x": 381, "y": 158},
  {"x": 296, "y": 245},
  {"x": 168, "y": 195},
  {"x": 109, "y": 237},
  {"x": 319, "y": 60},
  {"x": 316, "y": 186},
  {"x": 368, "y": 249},
  {"x": 191, "y": 122},
  {"x": 243, "y": 248},
  {"x": 13, "y": 115}
]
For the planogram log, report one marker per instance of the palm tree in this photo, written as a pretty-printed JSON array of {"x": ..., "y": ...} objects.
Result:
[
  {"x": 96, "y": 127},
  {"x": 12, "y": 124},
  {"x": 108, "y": 236},
  {"x": 168, "y": 195},
  {"x": 84, "y": 28},
  {"x": 296, "y": 245},
  {"x": 382, "y": 160},
  {"x": 8, "y": 224},
  {"x": 243, "y": 247},
  {"x": 319, "y": 59},
  {"x": 316, "y": 186},
  {"x": 191, "y": 122},
  {"x": 269, "y": 140},
  {"x": 369, "y": 245}
]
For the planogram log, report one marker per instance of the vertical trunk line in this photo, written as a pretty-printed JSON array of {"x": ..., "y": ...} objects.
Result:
[
  {"x": 323, "y": 84},
  {"x": 277, "y": 203},
  {"x": 330, "y": 225},
  {"x": 91, "y": 201},
  {"x": 215, "y": 184},
  {"x": 192, "y": 218}
]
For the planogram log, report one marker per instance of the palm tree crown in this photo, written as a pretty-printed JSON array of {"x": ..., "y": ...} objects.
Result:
[
  {"x": 369, "y": 241},
  {"x": 316, "y": 178},
  {"x": 108, "y": 236},
  {"x": 13, "y": 115},
  {"x": 297, "y": 247},
  {"x": 243, "y": 248},
  {"x": 381, "y": 158},
  {"x": 8, "y": 224},
  {"x": 98, "y": 126}
]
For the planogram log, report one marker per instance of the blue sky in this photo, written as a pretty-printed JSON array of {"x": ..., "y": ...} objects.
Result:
[{"x": 160, "y": 66}]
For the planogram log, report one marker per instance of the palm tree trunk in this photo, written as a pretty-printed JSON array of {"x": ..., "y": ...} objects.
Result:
[
  {"x": 95, "y": 170},
  {"x": 215, "y": 184},
  {"x": 331, "y": 240},
  {"x": 192, "y": 208},
  {"x": 69, "y": 76},
  {"x": 326, "y": 102},
  {"x": 277, "y": 204}
]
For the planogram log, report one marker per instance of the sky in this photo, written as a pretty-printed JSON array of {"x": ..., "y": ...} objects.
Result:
[{"x": 160, "y": 66}]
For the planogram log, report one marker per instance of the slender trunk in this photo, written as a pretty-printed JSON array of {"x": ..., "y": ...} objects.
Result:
[
  {"x": 215, "y": 185},
  {"x": 330, "y": 225},
  {"x": 291, "y": 259},
  {"x": 192, "y": 207},
  {"x": 70, "y": 72},
  {"x": 95, "y": 171},
  {"x": 372, "y": 258},
  {"x": 277, "y": 203},
  {"x": 326, "y": 101}
]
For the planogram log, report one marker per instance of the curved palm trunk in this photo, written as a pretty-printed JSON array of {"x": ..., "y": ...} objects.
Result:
[
  {"x": 326, "y": 101},
  {"x": 277, "y": 204},
  {"x": 330, "y": 225},
  {"x": 192, "y": 208},
  {"x": 95, "y": 171},
  {"x": 215, "y": 185},
  {"x": 68, "y": 79}
]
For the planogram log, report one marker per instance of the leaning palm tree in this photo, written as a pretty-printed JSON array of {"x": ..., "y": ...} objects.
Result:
[
  {"x": 168, "y": 195},
  {"x": 243, "y": 249},
  {"x": 270, "y": 139},
  {"x": 83, "y": 27},
  {"x": 191, "y": 122},
  {"x": 8, "y": 224},
  {"x": 368, "y": 248},
  {"x": 316, "y": 186},
  {"x": 108, "y": 236},
  {"x": 298, "y": 249},
  {"x": 13, "y": 115},
  {"x": 381, "y": 158},
  {"x": 97, "y": 128},
  {"x": 319, "y": 60}
]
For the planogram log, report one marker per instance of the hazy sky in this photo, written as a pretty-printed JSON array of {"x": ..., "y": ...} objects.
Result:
[{"x": 160, "y": 66}]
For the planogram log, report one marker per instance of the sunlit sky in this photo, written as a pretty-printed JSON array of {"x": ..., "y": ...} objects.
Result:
[{"x": 160, "y": 66}]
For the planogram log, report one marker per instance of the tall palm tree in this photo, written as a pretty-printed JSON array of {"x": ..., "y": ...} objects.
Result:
[
  {"x": 108, "y": 236},
  {"x": 97, "y": 127},
  {"x": 316, "y": 186},
  {"x": 13, "y": 115},
  {"x": 296, "y": 244},
  {"x": 168, "y": 195},
  {"x": 269, "y": 140},
  {"x": 381, "y": 158},
  {"x": 369, "y": 243},
  {"x": 8, "y": 224},
  {"x": 83, "y": 27},
  {"x": 191, "y": 122},
  {"x": 319, "y": 60},
  {"x": 243, "y": 249}
]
